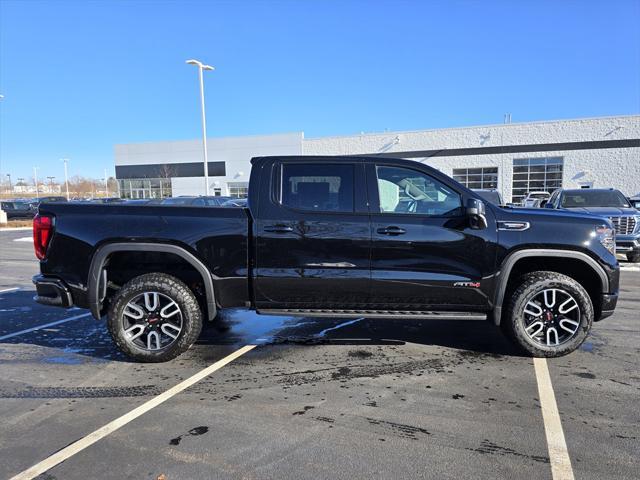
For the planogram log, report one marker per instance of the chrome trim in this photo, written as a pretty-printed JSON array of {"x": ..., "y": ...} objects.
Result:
[{"x": 513, "y": 226}]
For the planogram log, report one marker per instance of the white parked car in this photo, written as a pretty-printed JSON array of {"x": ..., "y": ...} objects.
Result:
[{"x": 535, "y": 199}]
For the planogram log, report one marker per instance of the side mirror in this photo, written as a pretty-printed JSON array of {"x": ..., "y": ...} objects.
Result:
[
  {"x": 476, "y": 213},
  {"x": 548, "y": 205},
  {"x": 543, "y": 203}
]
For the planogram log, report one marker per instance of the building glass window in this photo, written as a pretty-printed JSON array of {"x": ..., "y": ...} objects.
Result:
[
  {"x": 238, "y": 189},
  {"x": 478, "y": 178},
  {"x": 536, "y": 174},
  {"x": 145, "y": 187}
]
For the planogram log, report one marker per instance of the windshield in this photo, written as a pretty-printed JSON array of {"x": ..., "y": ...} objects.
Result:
[{"x": 594, "y": 198}]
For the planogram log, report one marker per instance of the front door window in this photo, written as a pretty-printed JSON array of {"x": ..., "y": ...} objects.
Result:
[{"x": 406, "y": 191}]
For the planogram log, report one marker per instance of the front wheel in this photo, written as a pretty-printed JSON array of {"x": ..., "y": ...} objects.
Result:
[
  {"x": 633, "y": 257},
  {"x": 548, "y": 315},
  {"x": 154, "y": 318}
]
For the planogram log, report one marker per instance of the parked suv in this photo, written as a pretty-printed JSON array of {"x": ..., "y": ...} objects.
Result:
[{"x": 608, "y": 203}]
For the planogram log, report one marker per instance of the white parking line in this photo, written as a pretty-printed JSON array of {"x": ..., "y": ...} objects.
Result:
[
  {"x": 556, "y": 444},
  {"x": 51, "y": 324},
  {"x": 114, "y": 425},
  {"x": 7, "y": 290},
  {"x": 629, "y": 267}
]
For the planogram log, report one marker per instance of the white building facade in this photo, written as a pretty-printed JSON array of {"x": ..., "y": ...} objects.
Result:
[{"x": 512, "y": 158}]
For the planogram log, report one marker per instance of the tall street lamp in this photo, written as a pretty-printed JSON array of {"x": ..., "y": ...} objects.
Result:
[
  {"x": 10, "y": 186},
  {"x": 35, "y": 180},
  {"x": 66, "y": 177},
  {"x": 51, "y": 179},
  {"x": 202, "y": 67}
]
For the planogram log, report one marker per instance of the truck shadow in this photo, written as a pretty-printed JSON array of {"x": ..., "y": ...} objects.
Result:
[{"x": 242, "y": 327}]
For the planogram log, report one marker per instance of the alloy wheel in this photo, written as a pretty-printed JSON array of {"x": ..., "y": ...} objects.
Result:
[
  {"x": 552, "y": 317},
  {"x": 152, "y": 321}
]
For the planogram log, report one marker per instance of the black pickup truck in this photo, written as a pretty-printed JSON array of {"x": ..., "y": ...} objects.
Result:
[{"x": 330, "y": 236}]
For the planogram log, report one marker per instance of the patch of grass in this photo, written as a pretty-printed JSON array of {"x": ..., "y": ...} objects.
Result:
[{"x": 18, "y": 223}]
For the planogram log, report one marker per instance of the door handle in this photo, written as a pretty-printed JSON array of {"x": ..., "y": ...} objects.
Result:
[
  {"x": 392, "y": 231},
  {"x": 278, "y": 229}
]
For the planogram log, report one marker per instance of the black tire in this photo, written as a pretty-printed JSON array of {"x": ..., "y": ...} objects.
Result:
[
  {"x": 633, "y": 257},
  {"x": 169, "y": 287},
  {"x": 531, "y": 287}
]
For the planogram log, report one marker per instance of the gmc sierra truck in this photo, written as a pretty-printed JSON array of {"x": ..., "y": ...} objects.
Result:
[{"x": 330, "y": 236}]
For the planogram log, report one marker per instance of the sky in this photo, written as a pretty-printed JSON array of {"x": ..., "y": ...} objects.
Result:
[{"x": 79, "y": 77}]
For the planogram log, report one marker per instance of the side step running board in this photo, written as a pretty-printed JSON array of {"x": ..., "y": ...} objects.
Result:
[{"x": 417, "y": 314}]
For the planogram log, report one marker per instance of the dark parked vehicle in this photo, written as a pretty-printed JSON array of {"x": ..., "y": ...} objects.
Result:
[
  {"x": 330, "y": 236},
  {"x": 51, "y": 199},
  {"x": 194, "y": 201},
  {"x": 235, "y": 202},
  {"x": 107, "y": 200},
  {"x": 608, "y": 203},
  {"x": 490, "y": 195},
  {"x": 16, "y": 209}
]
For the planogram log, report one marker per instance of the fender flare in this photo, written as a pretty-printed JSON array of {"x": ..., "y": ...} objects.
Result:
[
  {"x": 94, "y": 284},
  {"x": 512, "y": 258}
]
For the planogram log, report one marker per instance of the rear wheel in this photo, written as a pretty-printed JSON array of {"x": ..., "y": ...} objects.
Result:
[
  {"x": 633, "y": 257},
  {"x": 154, "y": 318},
  {"x": 548, "y": 315}
]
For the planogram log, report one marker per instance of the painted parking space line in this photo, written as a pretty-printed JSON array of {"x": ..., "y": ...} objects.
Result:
[
  {"x": 119, "y": 422},
  {"x": 556, "y": 444},
  {"x": 46, "y": 325},
  {"x": 7, "y": 290},
  {"x": 15, "y": 229},
  {"x": 630, "y": 267}
]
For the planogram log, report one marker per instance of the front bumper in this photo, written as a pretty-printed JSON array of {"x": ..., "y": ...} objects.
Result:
[
  {"x": 608, "y": 302},
  {"x": 627, "y": 244},
  {"x": 52, "y": 291}
]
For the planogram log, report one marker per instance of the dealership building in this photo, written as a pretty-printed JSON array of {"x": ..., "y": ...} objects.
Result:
[{"x": 513, "y": 158}]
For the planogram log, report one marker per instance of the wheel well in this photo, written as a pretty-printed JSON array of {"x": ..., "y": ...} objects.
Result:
[
  {"x": 572, "y": 267},
  {"x": 123, "y": 266}
]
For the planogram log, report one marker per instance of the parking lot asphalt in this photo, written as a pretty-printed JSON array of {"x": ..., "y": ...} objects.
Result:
[{"x": 317, "y": 398}]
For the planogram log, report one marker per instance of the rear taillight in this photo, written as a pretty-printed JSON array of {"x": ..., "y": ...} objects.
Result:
[{"x": 42, "y": 233}]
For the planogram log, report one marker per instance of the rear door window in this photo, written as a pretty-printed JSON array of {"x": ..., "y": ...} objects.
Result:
[{"x": 318, "y": 187}]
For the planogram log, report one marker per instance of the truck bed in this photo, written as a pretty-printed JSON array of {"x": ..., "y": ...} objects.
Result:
[{"x": 216, "y": 236}]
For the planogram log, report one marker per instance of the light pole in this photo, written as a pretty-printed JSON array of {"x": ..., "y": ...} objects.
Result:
[
  {"x": 51, "y": 179},
  {"x": 35, "y": 180},
  {"x": 10, "y": 187},
  {"x": 202, "y": 67},
  {"x": 66, "y": 177},
  {"x": 106, "y": 185}
]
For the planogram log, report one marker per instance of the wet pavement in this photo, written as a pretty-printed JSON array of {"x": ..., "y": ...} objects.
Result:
[{"x": 318, "y": 398}]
